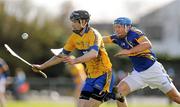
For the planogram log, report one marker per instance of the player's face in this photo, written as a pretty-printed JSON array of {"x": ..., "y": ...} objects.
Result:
[
  {"x": 76, "y": 25},
  {"x": 120, "y": 30}
]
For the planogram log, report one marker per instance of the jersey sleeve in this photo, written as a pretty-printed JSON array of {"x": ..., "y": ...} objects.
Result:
[
  {"x": 138, "y": 34},
  {"x": 140, "y": 38},
  {"x": 96, "y": 41},
  {"x": 69, "y": 45}
]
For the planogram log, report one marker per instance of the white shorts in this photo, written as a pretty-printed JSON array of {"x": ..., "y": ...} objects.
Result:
[
  {"x": 2, "y": 85},
  {"x": 154, "y": 77}
]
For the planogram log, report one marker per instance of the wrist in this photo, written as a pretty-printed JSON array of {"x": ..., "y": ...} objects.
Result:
[{"x": 43, "y": 66}]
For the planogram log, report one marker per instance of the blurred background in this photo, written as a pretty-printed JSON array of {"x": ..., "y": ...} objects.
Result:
[{"x": 47, "y": 23}]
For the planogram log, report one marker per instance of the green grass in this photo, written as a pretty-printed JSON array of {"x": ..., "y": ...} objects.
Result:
[
  {"x": 58, "y": 104},
  {"x": 38, "y": 104}
]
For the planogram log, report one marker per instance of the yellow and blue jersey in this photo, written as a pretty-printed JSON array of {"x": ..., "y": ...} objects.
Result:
[
  {"x": 91, "y": 39},
  {"x": 142, "y": 60}
]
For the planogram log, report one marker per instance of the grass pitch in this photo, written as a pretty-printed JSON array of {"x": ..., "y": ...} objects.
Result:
[{"x": 70, "y": 104}]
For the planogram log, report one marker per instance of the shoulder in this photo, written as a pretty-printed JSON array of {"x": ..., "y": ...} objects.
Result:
[
  {"x": 95, "y": 32},
  {"x": 72, "y": 36},
  {"x": 135, "y": 33}
]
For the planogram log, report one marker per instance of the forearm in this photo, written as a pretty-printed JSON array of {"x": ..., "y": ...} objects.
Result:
[
  {"x": 53, "y": 61},
  {"x": 86, "y": 57},
  {"x": 139, "y": 48}
]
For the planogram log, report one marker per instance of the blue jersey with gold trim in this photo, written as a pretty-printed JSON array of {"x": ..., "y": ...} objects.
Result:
[{"x": 141, "y": 61}]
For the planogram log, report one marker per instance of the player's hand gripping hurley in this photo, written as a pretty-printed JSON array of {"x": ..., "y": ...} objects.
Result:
[{"x": 17, "y": 56}]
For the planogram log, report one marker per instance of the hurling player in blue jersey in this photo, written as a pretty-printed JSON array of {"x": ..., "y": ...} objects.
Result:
[{"x": 147, "y": 71}]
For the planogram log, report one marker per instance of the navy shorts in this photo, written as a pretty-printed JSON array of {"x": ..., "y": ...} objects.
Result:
[{"x": 97, "y": 83}]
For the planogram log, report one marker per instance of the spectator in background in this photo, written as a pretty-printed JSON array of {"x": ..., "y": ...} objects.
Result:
[
  {"x": 20, "y": 85},
  {"x": 3, "y": 78}
]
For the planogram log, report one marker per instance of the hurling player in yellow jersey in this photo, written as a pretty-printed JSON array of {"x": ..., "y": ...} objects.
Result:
[
  {"x": 147, "y": 71},
  {"x": 89, "y": 43}
]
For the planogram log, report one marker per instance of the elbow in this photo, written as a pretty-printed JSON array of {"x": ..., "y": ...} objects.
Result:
[
  {"x": 95, "y": 55},
  {"x": 148, "y": 45}
]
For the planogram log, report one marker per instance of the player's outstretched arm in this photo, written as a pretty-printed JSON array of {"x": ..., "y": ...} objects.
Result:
[
  {"x": 53, "y": 61},
  {"x": 143, "y": 45},
  {"x": 86, "y": 57}
]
